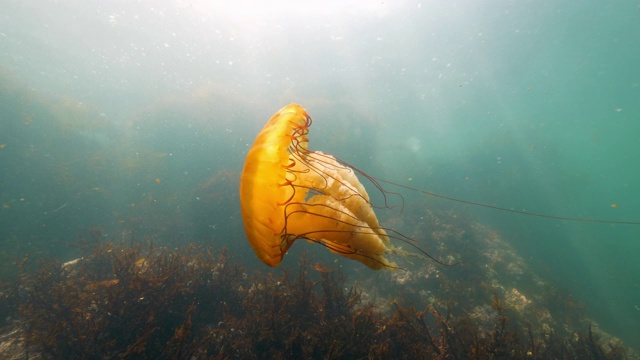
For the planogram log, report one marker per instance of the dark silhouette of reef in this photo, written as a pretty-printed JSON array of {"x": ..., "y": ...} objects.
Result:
[{"x": 147, "y": 302}]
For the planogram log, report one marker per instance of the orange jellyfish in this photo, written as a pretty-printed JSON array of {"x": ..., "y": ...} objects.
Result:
[{"x": 288, "y": 192}]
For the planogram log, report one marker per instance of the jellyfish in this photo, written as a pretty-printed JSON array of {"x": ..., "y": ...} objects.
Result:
[{"x": 288, "y": 192}]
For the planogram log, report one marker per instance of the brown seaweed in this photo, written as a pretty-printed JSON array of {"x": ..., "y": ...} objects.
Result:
[{"x": 142, "y": 301}]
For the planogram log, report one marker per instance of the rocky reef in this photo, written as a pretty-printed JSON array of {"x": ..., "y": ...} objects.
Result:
[{"x": 146, "y": 301}]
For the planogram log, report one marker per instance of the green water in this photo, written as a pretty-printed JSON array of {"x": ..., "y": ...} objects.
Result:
[{"x": 136, "y": 118}]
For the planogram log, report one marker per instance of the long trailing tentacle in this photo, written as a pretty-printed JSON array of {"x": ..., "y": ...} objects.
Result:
[
  {"x": 318, "y": 163},
  {"x": 356, "y": 224},
  {"x": 521, "y": 212}
]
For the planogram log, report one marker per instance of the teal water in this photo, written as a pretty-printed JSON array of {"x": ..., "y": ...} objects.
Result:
[{"x": 136, "y": 118}]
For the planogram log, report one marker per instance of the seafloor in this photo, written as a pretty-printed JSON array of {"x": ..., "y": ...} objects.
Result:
[{"x": 138, "y": 300}]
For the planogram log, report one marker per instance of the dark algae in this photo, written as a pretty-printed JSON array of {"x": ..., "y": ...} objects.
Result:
[{"x": 141, "y": 301}]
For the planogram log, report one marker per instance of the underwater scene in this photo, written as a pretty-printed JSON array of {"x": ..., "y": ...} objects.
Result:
[{"x": 323, "y": 179}]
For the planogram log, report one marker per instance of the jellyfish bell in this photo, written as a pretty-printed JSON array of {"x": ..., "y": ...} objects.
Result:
[{"x": 288, "y": 192}]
